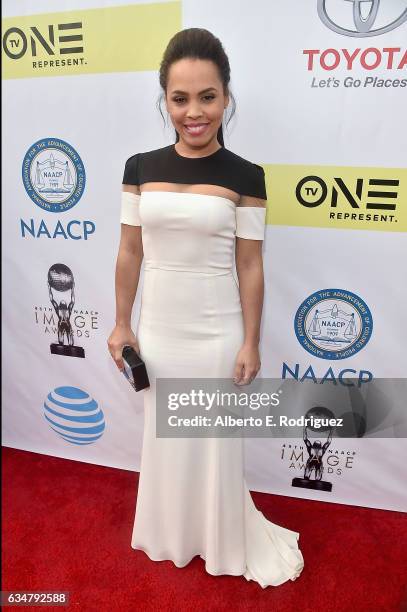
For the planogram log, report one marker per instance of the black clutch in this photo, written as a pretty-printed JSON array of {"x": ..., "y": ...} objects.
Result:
[{"x": 134, "y": 368}]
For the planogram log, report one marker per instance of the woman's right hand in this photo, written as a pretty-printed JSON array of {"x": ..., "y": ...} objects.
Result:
[{"x": 121, "y": 336}]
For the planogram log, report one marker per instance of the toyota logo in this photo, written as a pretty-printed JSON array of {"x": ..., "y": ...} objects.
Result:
[{"x": 363, "y": 25}]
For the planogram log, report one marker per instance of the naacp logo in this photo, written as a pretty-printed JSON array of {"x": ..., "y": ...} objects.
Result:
[
  {"x": 361, "y": 17},
  {"x": 333, "y": 324},
  {"x": 53, "y": 175}
]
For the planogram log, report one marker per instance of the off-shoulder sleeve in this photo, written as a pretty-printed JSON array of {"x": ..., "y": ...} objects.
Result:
[
  {"x": 130, "y": 202},
  {"x": 131, "y": 174},
  {"x": 130, "y": 205},
  {"x": 251, "y": 220}
]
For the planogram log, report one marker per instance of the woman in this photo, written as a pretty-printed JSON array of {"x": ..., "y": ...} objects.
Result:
[{"x": 184, "y": 209}]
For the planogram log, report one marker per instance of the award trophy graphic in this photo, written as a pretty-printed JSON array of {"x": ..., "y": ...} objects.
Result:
[
  {"x": 316, "y": 451},
  {"x": 60, "y": 279}
]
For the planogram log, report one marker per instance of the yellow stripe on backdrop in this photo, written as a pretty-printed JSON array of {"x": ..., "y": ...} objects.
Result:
[
  {"x": 113, "y": 39},
  {"x": 339, "y": 197}
]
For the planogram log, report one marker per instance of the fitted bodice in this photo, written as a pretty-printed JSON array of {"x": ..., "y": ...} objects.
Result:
[
  {"x": 187, "y": 231},
  {"x": 192, "y": 232}
]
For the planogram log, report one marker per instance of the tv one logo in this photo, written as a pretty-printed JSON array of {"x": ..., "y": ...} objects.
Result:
[
  {"x": 56, "y": 41},
  {"x": 370, "y": 194}
]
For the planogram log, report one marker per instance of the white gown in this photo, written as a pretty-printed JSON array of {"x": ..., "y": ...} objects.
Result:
[{"x": 192, "y": 496}]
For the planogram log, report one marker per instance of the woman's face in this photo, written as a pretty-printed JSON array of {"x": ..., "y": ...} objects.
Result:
[{"x": 195, "y": 98}]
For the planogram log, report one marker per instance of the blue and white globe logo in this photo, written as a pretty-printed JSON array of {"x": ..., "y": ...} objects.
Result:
[
  {"x": 74, "y": 415},
  {"x": 333, "y": 324},
  {"x": 53, "y": 175}
]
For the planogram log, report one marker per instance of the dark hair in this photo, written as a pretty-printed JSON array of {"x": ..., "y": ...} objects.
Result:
[{"x": 197, "y": 43}]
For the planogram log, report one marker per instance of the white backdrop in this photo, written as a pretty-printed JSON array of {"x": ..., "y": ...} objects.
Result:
[{"x": 295, "y": 118}]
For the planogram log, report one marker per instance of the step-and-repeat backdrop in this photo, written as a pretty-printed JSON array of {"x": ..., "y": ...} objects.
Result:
[{"x": 320, "y": 88}]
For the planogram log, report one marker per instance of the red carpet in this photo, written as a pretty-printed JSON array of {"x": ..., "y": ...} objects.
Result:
[{"x": 67, "y": 526}]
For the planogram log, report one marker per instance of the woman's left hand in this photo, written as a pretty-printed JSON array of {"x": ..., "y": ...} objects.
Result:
[{"x": 247, "y": 364}]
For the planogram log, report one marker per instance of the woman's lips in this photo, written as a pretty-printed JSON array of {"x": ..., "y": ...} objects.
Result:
[{"x": 197, "y": 129}]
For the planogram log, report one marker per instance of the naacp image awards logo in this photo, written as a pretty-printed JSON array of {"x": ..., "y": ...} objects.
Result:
[
  {"x": 333, "y": 324},
  {"x": 53, "y": 175},
  {"x": 61, "y": 290}
]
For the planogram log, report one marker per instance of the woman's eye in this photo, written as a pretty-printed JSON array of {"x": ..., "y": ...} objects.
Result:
[{"x": 180, "y": 100}]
